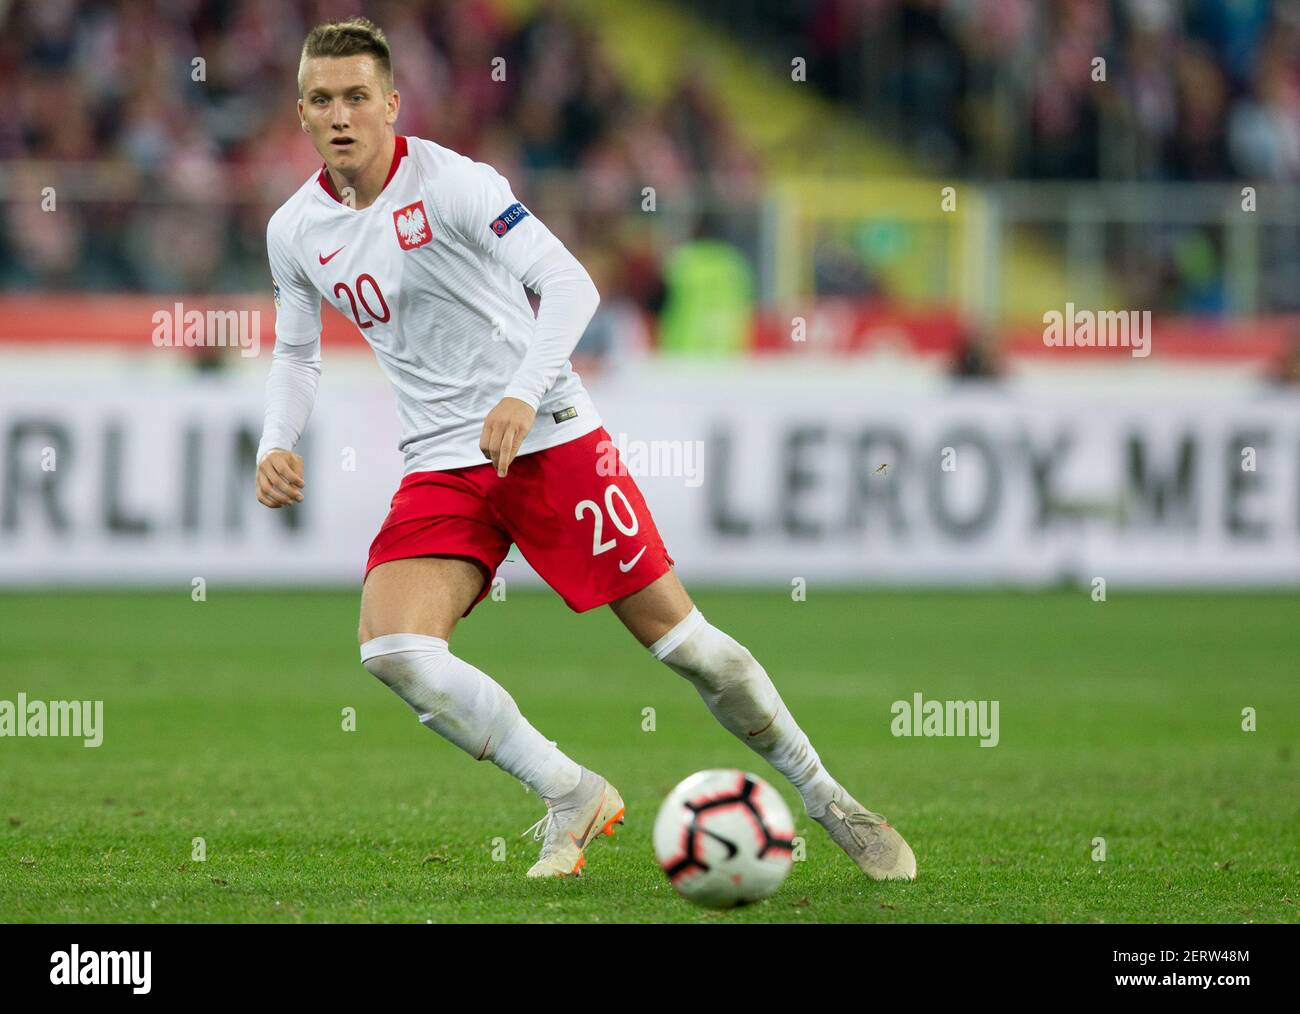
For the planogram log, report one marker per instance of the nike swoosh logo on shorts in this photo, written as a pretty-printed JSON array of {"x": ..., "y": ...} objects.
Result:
[
  {"x": 625, "y": 567},
  {"x": 326, "y": 260}
]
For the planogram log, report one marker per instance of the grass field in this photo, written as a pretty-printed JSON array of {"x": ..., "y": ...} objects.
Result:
[{"x": 1119, "y": 720}]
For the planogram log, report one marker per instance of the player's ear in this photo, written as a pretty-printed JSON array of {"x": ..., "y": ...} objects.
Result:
[{"x": 394, "y": 102}]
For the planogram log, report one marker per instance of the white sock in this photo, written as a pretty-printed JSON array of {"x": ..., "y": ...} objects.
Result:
[
  {"x": 470, "y": 709},
  {"x": 740, "y": 695}
]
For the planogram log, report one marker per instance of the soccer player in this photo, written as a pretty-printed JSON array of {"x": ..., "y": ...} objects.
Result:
[{"x": 425, "y": 250}]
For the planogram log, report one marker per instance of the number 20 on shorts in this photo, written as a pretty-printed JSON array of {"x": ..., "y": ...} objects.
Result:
[{"x": 627, "y": 528}]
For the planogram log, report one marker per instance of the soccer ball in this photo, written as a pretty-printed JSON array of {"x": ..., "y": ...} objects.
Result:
[{"x": 724, "y": 838}]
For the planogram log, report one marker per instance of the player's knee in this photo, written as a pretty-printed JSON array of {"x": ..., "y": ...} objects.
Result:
[
  {"x": 373, "y": 625},
  {"x": 714, "y": 660},
  {"x": 729, "y": 679},
  {"x": 397, "y": 671},
  {"x": 410, "y": 665},
  {"x": 392, "y": 669}
]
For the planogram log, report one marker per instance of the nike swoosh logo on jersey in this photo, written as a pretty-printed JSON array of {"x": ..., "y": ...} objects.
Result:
[
  {"x": 326, "y": 260},
  {"x": 625, "y": 567}
]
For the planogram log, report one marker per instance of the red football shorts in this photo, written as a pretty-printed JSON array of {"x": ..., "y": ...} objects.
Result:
[{"x": 582, "y": 525}]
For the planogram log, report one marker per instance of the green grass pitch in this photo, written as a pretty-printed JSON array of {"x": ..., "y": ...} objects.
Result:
[{"x": 223, "y": 720}]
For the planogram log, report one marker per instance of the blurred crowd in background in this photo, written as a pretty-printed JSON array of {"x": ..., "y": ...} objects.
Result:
[
  {"x": 1198, "y": 89},
  {"x": 192, "y": 169},
  {"x": 176, "y": 166}
]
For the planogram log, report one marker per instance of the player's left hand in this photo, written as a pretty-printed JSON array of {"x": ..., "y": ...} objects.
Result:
[{"x": 504, "y": 430}]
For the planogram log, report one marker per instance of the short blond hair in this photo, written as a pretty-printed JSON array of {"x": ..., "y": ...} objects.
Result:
[{"x": 352, "y": 37}]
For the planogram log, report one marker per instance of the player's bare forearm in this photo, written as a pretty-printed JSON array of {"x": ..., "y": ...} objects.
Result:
[
  {"x": 279, "y": 478},
  {"x": 504, "y": 430}
]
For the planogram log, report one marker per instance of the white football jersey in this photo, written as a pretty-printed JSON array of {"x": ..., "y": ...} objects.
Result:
[{"x": 430, "y": 275}]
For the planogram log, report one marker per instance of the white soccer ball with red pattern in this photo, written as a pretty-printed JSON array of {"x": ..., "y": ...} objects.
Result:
[{"x": 724, "y": 838}]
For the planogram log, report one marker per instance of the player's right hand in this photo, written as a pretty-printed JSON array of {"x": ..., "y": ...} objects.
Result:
[{"x": 279, "y": 478}]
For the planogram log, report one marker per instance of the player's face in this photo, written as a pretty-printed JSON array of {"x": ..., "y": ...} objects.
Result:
[{"x": 346, "y": 111}]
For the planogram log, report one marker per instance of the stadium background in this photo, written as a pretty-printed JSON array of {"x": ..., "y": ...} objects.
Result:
[{"x": 825, "y": 234}]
